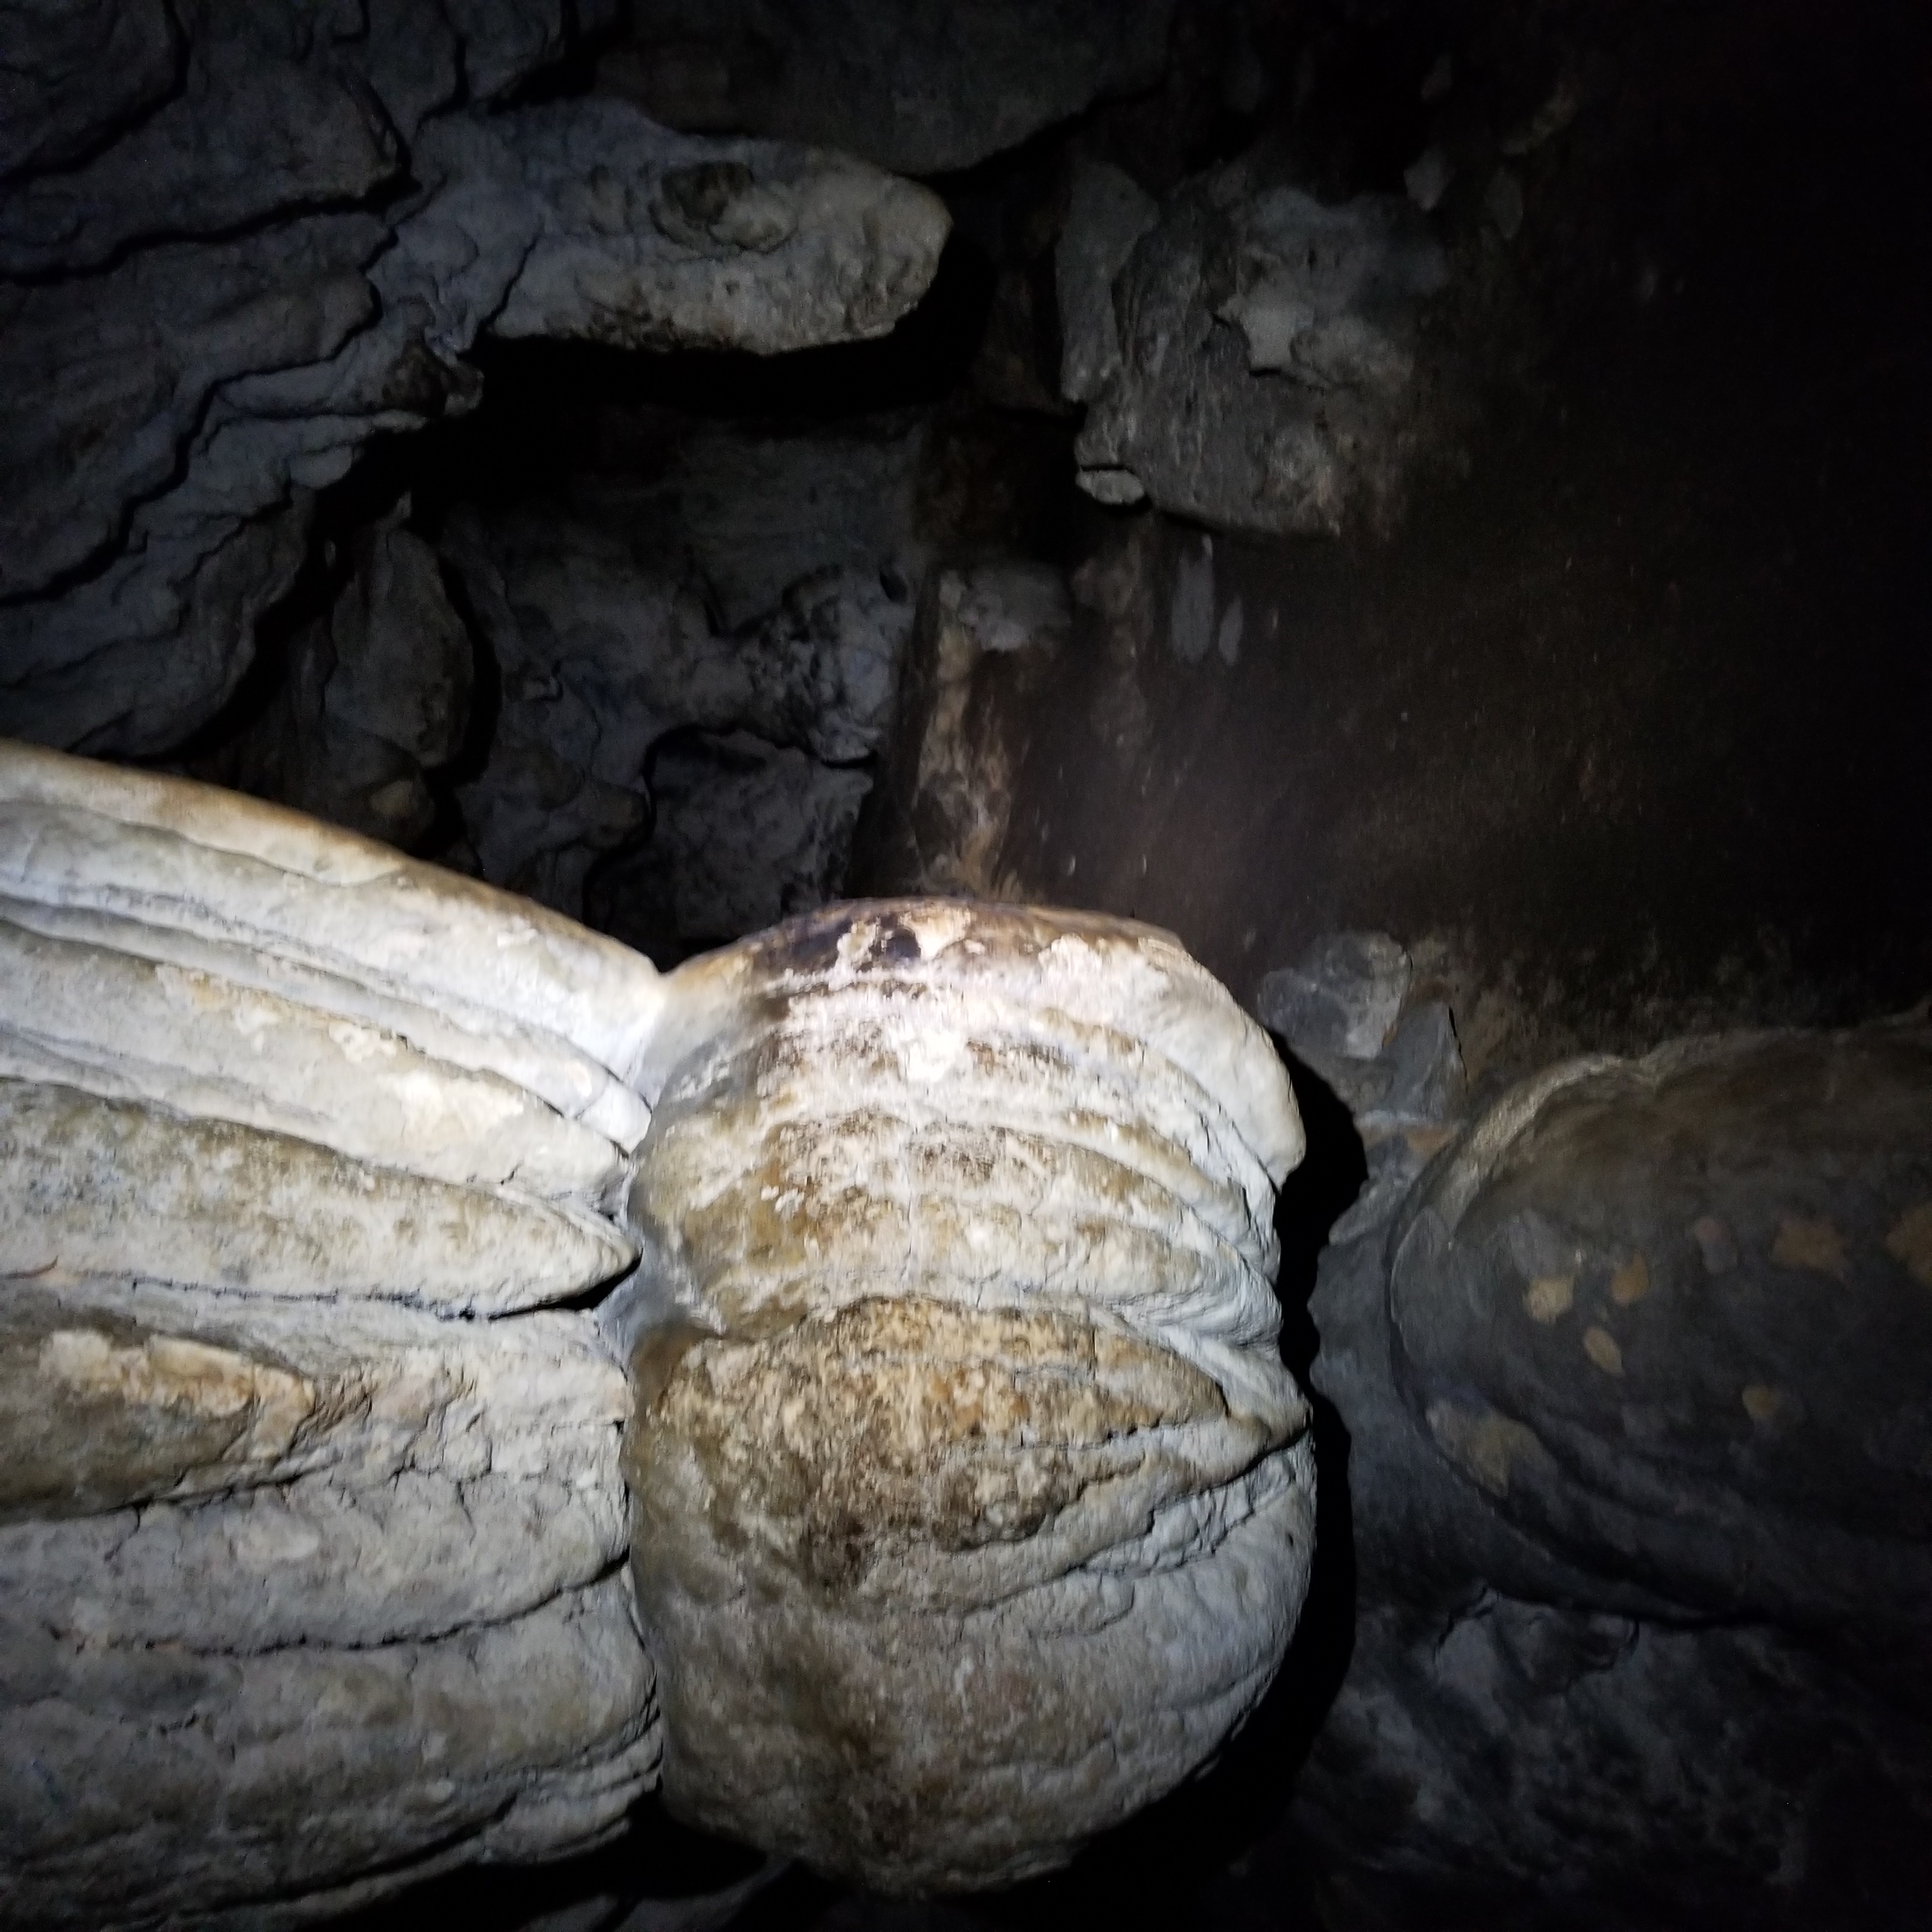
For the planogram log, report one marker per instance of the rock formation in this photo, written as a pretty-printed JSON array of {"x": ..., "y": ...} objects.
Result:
[
  {"x": 969, "y": 1506},
  {"x": 200, "y": 333},
  {"x": 975, "y": 1504},
  {"x": 923, "y": 90},
  {"x": 1248, "y": 353},
  {"x": 1638, "y": 1473}
]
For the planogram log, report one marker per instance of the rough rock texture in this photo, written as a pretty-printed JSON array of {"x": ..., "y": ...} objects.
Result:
[
  {"x": 200, "y": 332},
  {"x": 746, "y": 834},
  {"x": 1641, "y": 1486},
  {"x": 1250, "y": 358},
  {"x": 312, "y": 1528},
  {"x": 987, "y": 632},
  {"x": 374, "y": 695},
  {"x": 698, "y": 672},
  {"x": 974, "y": 1506},
  {"x": 921, "y": 90}
]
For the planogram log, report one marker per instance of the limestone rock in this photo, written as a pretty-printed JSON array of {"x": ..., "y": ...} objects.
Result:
[
  {"x": 973, "y": 1502},
  {"x": 204, "y": 320},
  {"x": 375, "y": 696},
  {"x": 921, "y": 90},
  {"x": 746, "y": 833},
  {"x": 311, "y": 1579},
  {"x": 988, "y": 633},
  {"x": 76, "y": 72},
  {"x": 1262, "y": 376},
  {"x": 1107, "y": 213},
  {"x": 585, "y": 219},
  {"x": 955, "y": 1227},
  {"x": 606, "y": 644},
  {"x": 1640, "y": 1493}
]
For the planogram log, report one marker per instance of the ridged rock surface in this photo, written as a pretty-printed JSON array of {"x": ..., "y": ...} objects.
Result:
[
  {"x": 312, "y": 1531},
  {"x": 199, "y": 330},
  {"x": 974, "y": 1504}
]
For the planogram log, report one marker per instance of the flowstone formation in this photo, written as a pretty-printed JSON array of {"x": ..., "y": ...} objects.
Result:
[
  {"x": 969, "y": 1504},
  {"x": 1630, "y": 1358}
]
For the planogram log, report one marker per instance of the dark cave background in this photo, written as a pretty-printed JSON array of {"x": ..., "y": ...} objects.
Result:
[{"x": 1618, "y": 713}]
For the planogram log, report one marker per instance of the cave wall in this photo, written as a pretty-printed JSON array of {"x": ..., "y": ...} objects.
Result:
[{"x": 1274, "y": 470}]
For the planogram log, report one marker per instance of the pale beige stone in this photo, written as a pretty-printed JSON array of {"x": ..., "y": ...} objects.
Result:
[
  {"x": 963, "y": 1371},
  {"x": 964, "y": 1427}
]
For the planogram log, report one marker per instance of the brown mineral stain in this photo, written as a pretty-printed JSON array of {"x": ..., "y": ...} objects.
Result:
[
  {"x": 1816, "y": 1247},
  {"x": 1909, "y": 1244},
  {"x": 1631, "y": 1283},
  {"x": 1550, "y": 1297},
  {"x": 1601, "y": 1346},
  {"x": 169, "y": 1372},
  {"x": 1763, "y": 1403},
  {"x": 1488, "y": 1447},
  {"x": 1427, "y": 1141}
]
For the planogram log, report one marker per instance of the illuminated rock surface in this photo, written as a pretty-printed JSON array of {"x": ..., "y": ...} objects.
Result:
[
  {"x": 971, "y": 1503},
  {"x": 974, "y": 1504}
]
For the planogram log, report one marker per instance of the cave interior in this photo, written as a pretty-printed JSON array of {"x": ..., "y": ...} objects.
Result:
[{"x": 1290, "y": 472}]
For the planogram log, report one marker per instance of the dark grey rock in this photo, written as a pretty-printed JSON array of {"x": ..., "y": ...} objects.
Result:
[
  {"x": 376, "y": 694},
  {"x": 1340, "y": 1000},
  {"x": 75, "y": 73},
  {"x": 921, "y": 90},
  {"x": 584, "y": 219},
  {"x": 1107, "y": 212},
  {"x": 208, "y": 339},
  {"x": 1425, "y": 1086},
  {"x": 1267, "y": 353},
  {"x": 747, "y": 833},
  {"x": 265, "y": 122},
  {"x": 602, "y": 631}
]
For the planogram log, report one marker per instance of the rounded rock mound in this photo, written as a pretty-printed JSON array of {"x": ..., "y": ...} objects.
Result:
[{"x": 973, "y": 1505}]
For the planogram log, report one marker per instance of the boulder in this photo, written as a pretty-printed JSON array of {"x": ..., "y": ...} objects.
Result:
[
  {"x": 922, "y": 90},
  {"x": 1639, "y": 1488},
  {"x": 1251, "y": 357},
  {"x": 204, "y": 319}
]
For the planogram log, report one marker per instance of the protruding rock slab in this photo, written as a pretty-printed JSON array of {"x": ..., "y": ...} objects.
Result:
[{"x": 974, "y": 1506}]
